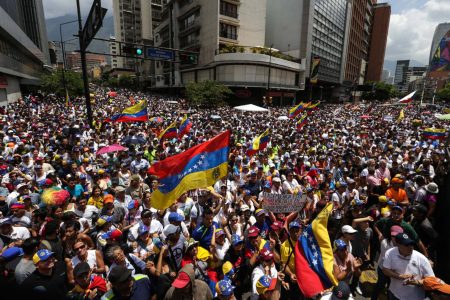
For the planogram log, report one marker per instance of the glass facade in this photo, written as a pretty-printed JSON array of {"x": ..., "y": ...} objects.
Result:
[{"x": 328, "y": 37}]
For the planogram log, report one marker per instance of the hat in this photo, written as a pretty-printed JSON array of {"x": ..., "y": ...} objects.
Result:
[
  {"x": 41, "y": 255},
  {"x": 100, "y": 172},
  {"x": 227, "y": 269},
  {"x": 432, "y": 283},
  {"x": 403, "y": 239},
  {"x": 432, "y": 188},
  {"x": 382, "y": 199},
  {"x": 396, "y": 230},
  {"x": 103, "y": 220},
  {"x": 264, "y": 284},
  {"x": 135, "y": 177},
  {"x": 277, "y": 225},
  {"x": 398, "y": 208},
  {"x": 18, "y": 205},
  {"x": 11, "y": 253},
  {"x": 170, "y": 229},
  {"x": 21, "y": 185},
  {"x": 219, "y": 232},
  {"x": 6, "y": 221},
  {"x": 244, "y": 207},
  {"x": 276, "y": 179},
  {"x": 224, "y": 288},
  {"x": 260, "y": 212},
  {"x": 203, "y": 254},
  {"x": 133, "y": 204},
  {"x": 267, "y": 185},
  {"x": 181, "y": 281},
  {"x": 189, "y": 243},
  {"x": 340, "y": 244},
  {"x": 341, "y": 291},
  {"x": 37, "y": 167},
  {"x": 119, "y": 274},
  {"x": 119, "y": 189},
  {"x": 420, "y": 208},
  {"x": 108, "y": 198},
  {"x": 143, "y": 230},
  {"x": 236, "y": 240},
  {"x": 253, "y": 231},
  {"x": 114, "y": 234},
  {"x": 157, "y": 245},
  {"x": 146, "y": 213},
  {"x": 175, "y": 217},
  {"x": 81, "y": 268},
  {"x": 294, "y": 224},
  {"x": 266, "y": 254},
  {"x": 348, "y": 229}
]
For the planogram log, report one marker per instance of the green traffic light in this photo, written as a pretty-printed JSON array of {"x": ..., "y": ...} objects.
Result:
[{"x": 138, "y": 51}]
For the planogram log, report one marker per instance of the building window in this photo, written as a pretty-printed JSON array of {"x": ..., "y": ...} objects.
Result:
[
  {"x": 189, "y": 40},
  {"x": 228, "y": 9},
  {"x": 228, "y": 31},
  {"x": 188, "y": 21}
]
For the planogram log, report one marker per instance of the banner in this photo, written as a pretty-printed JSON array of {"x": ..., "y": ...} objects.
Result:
[
  {"x": 281, "y": 203},
  {"x": 315, "y": 70}
]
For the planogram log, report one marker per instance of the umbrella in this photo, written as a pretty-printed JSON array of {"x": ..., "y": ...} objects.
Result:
[
  {"x": 282, "y": 118},
  {"x": 112, "y": 94},
  {"x": 111, "y": 148},
  {"x": 444, "y": 117},
  {"x": 365, "y": 117},
  {"x": 216, "y": 117},
  {"x": 133, "y": 140}
]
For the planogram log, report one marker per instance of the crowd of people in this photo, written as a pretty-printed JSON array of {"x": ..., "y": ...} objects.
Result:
[{"x": 77, "y": 225}]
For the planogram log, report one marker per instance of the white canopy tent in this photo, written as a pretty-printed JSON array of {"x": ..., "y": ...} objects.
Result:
[{"x": 251, "y": 107}]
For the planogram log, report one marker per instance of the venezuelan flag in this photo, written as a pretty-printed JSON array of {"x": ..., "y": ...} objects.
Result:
[
  {"x": 296, "y": 110},
  {"x": 157, "y": 120},
  {"x": 197, "y": 167},
  {"x": 185, "y": 127},
  {"x": 259, "y": 143},
  {"x": 434, "y": 133},
  {"x": 170, "y": 132},
  {"x": 135, "y": 113},
  {"x": 302, "y": 122},
  {"x": 313, "y": 106},
  {"x": 314, "y": 256}
]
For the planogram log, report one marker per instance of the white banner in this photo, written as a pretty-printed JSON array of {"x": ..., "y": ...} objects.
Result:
[{"x": 283, "y": 203}]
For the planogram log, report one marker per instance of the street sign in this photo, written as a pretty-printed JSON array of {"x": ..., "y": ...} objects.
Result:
[
  {"x": 160, "y": 54},
  {"x": 93, "y": 23}
]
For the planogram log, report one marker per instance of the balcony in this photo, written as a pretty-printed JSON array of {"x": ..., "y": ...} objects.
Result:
[{"x": 190, "y": 27}]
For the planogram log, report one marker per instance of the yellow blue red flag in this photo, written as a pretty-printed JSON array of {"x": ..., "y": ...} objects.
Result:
[
  {"x": 135, "y": 113},
  {"x": 170, "y": 132},
  {"x": 259, "y": 143}
]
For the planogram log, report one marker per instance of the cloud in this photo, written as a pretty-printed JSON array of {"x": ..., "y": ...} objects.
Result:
[
  {"x": 58, "y": 8},
  {"x": 411, "y": 30}
]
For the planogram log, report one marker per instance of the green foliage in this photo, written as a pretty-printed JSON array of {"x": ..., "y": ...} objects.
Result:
[
  {"x": 207, "y": 93},
  {"x": 444, "y": 93},
  {"x": 113, "y": 82},
  {"x": 379, "y": 91},
  {"x": 126, "y": 81},
  {"x": 53, "y": 83}
]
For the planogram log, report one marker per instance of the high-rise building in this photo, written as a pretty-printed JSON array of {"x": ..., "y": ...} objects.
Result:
[
  {"x": 73, "y": 60},
  {"x": 385, "y": 76},
  {"x": 230, "y": 39},
  {"x": 378, "y": 41},
  {"x": 134, "y": 22},
  {"x": 439, "y": 63},
  {"x": 401, "y": 70},
  {"x": 23, "y": 47}
]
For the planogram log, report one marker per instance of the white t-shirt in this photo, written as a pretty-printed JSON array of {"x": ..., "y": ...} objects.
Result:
[
  {"x": 416, "y": 264},
  {"x": 19, "y": 233},
  {"x": 87, "y": 214},
  {"x": 222, "y": 249}
]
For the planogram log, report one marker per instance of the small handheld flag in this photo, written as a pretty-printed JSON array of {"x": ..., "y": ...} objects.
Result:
[
  {"x": 259, "y": 143},
  {"x": 170, "y": 132}
]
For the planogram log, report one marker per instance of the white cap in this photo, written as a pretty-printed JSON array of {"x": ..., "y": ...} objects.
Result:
[
  {"x": 348, "y": 229},
  {"x": 244, "y": 207},
  {"x": 170, "y": 229}
]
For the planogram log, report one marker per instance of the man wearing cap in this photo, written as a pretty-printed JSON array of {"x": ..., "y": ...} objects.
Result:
[
  {"x": 139, "y": 163},
  {"x": 287, "y": 252},
  {"x": 224, "y": 290},
  {"x": 128, "y": 286},
  {"x": 204, "y": 231},
  {"x": 265, "y": 287},
  {"x": 242, "y": 267},
  {"x": 48, "y": 281},
  {"x": 186, "y": 286},
  {"x": 10, "y": 233},
  {"x": 86, "y": 285},
  {"x": 137, "y": 187},
  {"x": 403, "y": 263}
]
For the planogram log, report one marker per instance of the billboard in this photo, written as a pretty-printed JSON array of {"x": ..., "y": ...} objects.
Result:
[{"x": 441, "y": 58}]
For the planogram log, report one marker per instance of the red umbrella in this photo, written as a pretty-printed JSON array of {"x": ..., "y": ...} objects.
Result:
[
  {"x": 365, "y": 117},
  {"x": 112, "y": 94},
  {"x": 111, "y": 148}
]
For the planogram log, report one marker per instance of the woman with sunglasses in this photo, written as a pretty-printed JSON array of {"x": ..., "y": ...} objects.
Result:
[{"x": 82, "y": 254}]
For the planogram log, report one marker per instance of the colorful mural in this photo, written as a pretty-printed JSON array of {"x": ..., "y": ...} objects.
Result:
[{"x": 441, "y": 58}]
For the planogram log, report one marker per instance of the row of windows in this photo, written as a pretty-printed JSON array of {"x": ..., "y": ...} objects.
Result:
[
  {"x": 228, "y": 9},
  {"x": 228, "y": 31},
  {"x": 189, "y": 39},
  {"x": 188, "y": 21},
  {"x": 13, "y": 53}
]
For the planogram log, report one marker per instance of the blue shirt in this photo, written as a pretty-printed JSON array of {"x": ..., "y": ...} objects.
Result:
[
  {"x": 204, "y": 235},
  {"x": 77, "y": 190}
]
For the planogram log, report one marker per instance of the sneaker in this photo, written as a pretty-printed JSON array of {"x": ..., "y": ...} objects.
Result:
[{"x": 358, "y": 290}]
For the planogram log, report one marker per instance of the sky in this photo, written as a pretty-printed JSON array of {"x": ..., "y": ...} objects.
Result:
[{"x": 411, "y": 26}]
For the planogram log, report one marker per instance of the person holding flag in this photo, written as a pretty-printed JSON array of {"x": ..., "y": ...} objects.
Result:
[
  {"x": 185, "y": 127},
  {"x": 259, "y": 143},
  {"x": 170, "y": 132}
]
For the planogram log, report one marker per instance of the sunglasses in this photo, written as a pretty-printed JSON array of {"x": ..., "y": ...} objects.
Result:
[{"x": 81, "y": 247}]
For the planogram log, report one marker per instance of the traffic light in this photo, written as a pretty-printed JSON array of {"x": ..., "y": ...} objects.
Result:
[
  {"x": 188, "y": 58},
  {"x": 132, "y": 50},
  {"x": 138, "y": 51}
]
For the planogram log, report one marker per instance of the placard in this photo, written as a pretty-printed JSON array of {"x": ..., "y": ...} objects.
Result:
[{"x": 283, "y": 203}]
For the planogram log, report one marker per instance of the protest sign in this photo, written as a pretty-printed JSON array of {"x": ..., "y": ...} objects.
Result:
[{"x": 280, "y": 203}]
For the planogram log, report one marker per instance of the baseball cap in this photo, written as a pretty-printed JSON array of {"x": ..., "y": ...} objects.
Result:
[
  {"x": 253, "y": 231},
  {"x": 119, "y": 189},
  {"x": 420, "y": 208},
  {"x": 403, "y": 239},
  {"x": 277, "y": 225},
  {"x": 103, "y": 220},
  {"x": 189, "y": 243},
  {"x": 42, "y": 255},
  {"x": 264, "y": 284},
  {"x": 143, "y": 229},
  {"x": 260, "y": 212},
  {"x": 276, "y": 179},
  {"x": 219, "y": 232},
  {"x": 21, "y": 185},
  {"x": 396, "y": 230},
  {"x": 432, "y": 283},
  {"x": 18, "y": 205},
  {"x": 108, "y": 198},
  {"x": 81, "y": 268},
  {"x": 114, "y": 234},
  {"x": 11, "y": 253},
  {"x": 341, "y": 291},
  {"x": 398, "y": 208},
  {"x": 244, "y": 207},
  {"x": 294, "y": 224},
  {"x": 382, "y": 199},
  {"x": 170, "y": 229},
  {"x": 227, "y": 269},
  {"x": 181, "y": 281},
  {"x": 175, "y": 217},
  {"x": 236, "y": 240},
  {"x": 133, "y": 204},
  {"x": 266, "y": 254},
  {"x": 340, "y": 244},
  {"x": 348, "y": 229},
  {"x": 119, "y": 274},
  {"x": 224, "y": 288}
]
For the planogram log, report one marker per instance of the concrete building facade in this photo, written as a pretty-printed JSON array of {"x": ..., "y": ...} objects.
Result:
[
  {"x": 378, "y": 41},
  {"x": 21, "y": 59},
  {"x": 401, "y": 70},
  {"x": 73, "y": 60}
]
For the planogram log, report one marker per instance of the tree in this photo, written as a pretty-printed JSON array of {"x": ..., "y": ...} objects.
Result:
[
  {"x": 207, "y": 93},
  {"x": 444, "y": 93},
  {"x": 53, "y": 83},
  {"x": 379, "y": 91},
  {"x": 126, "y": 81}
]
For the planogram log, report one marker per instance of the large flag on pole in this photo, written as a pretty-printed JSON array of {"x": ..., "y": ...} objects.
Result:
[
  {"x": 407, "y": 99},
  {"x": 198, "y": 167},
  {"x": 135, "y": 113},
  {"x": 296, "y": 110},
  {"x": 259, "y": 143},
  {"x": 434, "y": 133},
  {"x": 314, "y": 256},
  {"x": 170, "y": 132}
]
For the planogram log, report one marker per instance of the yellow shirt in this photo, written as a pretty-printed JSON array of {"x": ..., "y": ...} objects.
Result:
[
  {"x": 286, "y": 250},
  {"x": 96, "y": 201}
]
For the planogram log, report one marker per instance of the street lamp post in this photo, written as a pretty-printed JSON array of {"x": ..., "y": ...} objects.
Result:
[
  {"x": 64, "y": 56},
  {"x": 268, "y": 77}
]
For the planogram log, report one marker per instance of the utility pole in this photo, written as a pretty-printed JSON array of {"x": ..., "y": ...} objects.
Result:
[
  {"x": 63, "y": 50},
  {"x": 84, "y": 67}
]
